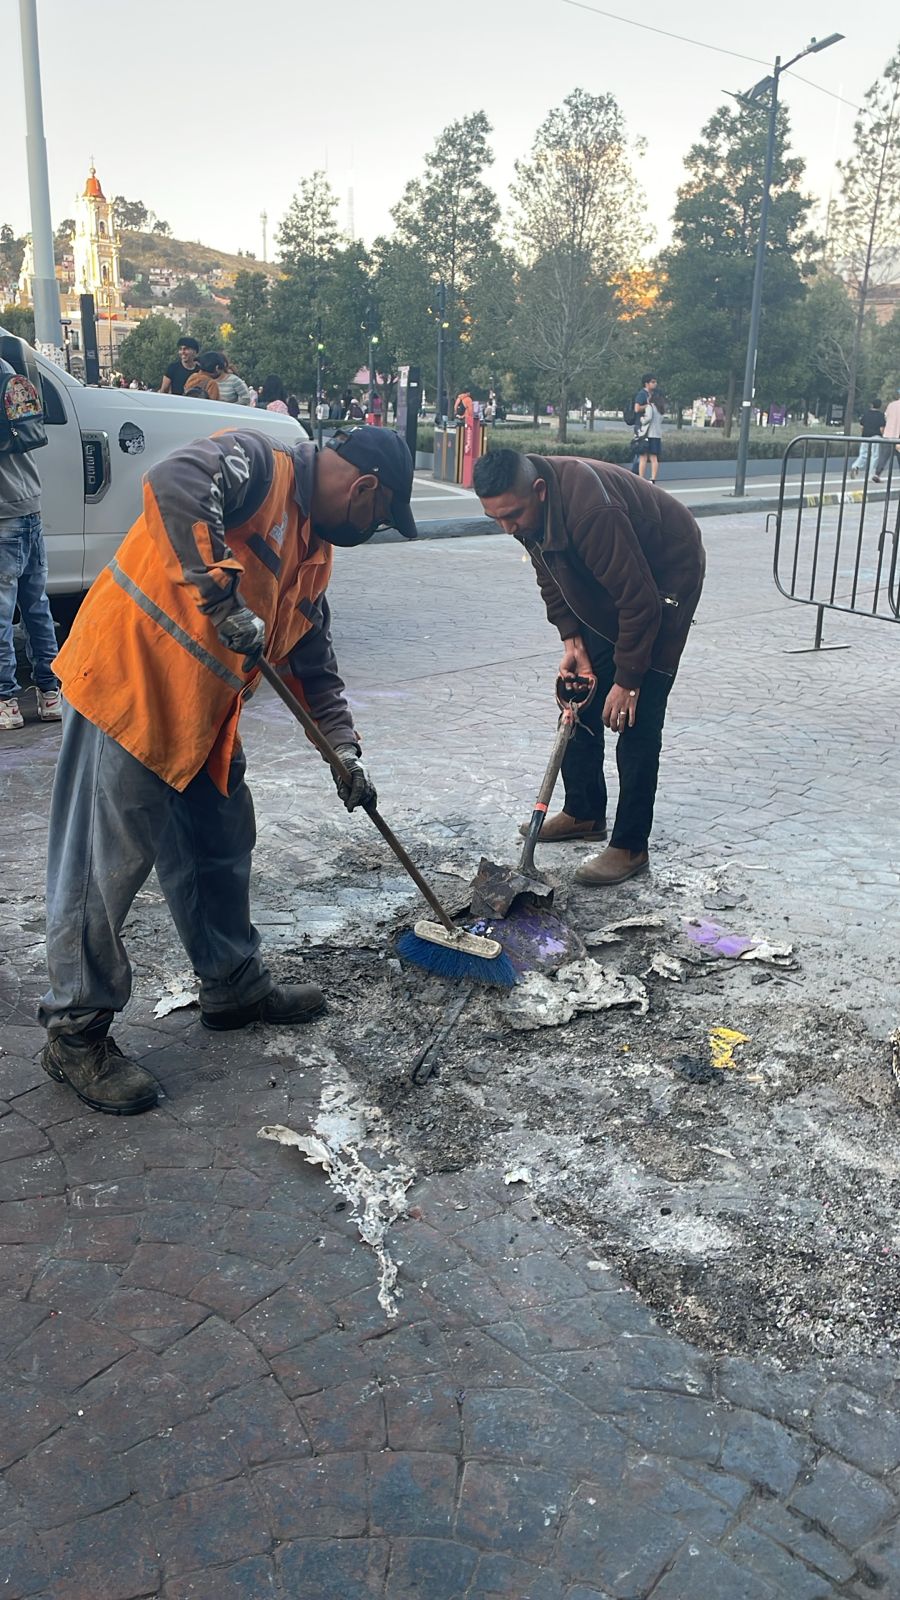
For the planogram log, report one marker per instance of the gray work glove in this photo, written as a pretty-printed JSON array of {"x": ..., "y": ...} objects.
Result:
[
  {"x": 360, "y": 791},
  {"x": 245, "y": 633}
]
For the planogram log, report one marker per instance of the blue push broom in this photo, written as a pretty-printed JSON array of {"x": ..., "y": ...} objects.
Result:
[{"x": 439, "y": 947}]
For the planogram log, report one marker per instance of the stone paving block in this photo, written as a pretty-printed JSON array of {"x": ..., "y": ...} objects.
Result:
[
  {"x": 787, "y": 1574},
  {"x": 762, "y": 1451},
  {"x": 32, "y": 1176},
  {"x": 537, "y": 1279},
  {"x": 440, "y": 1569},
  {"x": 332, "y": 1265},
  {"x": 66, "y": 1351},
  {"x": 483, "y": 1359},
  {"x": 793, "y": 1531},
  {"x": 846, "y": 1503},
  {"x": 501, "y": 1577},
  {"x": 149, "y": 1316},
  {"x": 858, "y": 1426},
  {"x": 100, "y": 1149},
  {"x": 323, "y": 1497},
  {"x": 602, "y": 1379},
  {"x": 125, "y": 1195},
  {"x": 260, "y": 1423},
  {"x": 411, "y": 1493},
  {"x": 193, "y": 1455},
  {"x": 18, "y": 1072},
  {"x": 253, "y": 1579},
  {"x": 879, "y": 1562},
  {"x": 23, "y": 1565},
  {"x": 699, "y": 1571},
  {"x": 675, "y": 1425},
  {"x": 100, "y": 1237},
  {"x": 174, "y": 1222},
  {"x": 423, "y": 1414},
  {"x": 284, "y": 1319},
  {"x": 19, "y": 1137},
  {"x": 542, "y": 1428},
  {"x": 113, "y": 1555},
  {"x": 79, "y": 1286},
  {"x": 614, "y": 1542},
  {"x": 706, "y": 1508},
  {"x": 28, "y": 1418},
  {"x": 209, "y": 1527},
  {"x": 320, "y": 1569},
  {"x": 348, "y": 1417},
  {"x": 171, "y": 1268},
  {"x": 18, "y": 1319},
  {"x": 517, "y": 1510},
  {"x": 578, "y": 1325},
  {"x": 68, "y": 1476},
  {"x": 267, "y": 1236},
  {"x": 761, "y": 1386},
  {"x": 33, "y": 1221},
  {"x": 135, "y": 1399},
  {"x": 235, "y": 1284},
  {"x": 213, "y": 1357}
]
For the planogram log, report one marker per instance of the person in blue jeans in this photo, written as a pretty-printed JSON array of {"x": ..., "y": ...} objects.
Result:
[{"x": 23, "y": 583}]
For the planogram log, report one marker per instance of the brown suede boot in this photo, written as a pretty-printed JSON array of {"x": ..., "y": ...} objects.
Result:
[
  {"x": 562, "y": 827},
  {"x": 612, "y": 866}
]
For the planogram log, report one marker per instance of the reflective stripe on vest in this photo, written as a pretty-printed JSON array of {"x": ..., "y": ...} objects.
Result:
[{"x": 156, "y": 614}]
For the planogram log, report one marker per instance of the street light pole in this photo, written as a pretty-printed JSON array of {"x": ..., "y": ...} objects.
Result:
[
  {"x": 373, "y": 376},
  {"x": 813, "y": 48},
  {"x": 442, "y": 324},
  {"x": 48, "y": 335},
  {"x": 319, "y": 349}
]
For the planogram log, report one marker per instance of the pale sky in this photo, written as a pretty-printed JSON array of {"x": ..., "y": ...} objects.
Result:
[{"x": 210, "y": 111}]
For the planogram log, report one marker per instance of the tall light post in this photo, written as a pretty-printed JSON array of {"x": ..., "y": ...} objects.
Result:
[
  {"x": 442, "y": 329},
  {"x": 755, "y": 98},
  {"x": 373, "y": 374},
  {"x": 48, "y": 334},
  {"x": 319, "y": 352}
]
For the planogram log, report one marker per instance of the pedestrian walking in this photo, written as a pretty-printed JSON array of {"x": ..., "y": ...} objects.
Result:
[
  {"x": 271, "y": 395},
  {"x": 891, "y": 431},
  {"x": 177, "y": 374},
  {"x": 204, "y": 383},
  {"x": 872, "y": 426},
  {"x": 620, "y": 569},
  {"x": 648, "y": 427},
  {"x": 229, "y": 562},
  {"x": 23, "y": 583}
]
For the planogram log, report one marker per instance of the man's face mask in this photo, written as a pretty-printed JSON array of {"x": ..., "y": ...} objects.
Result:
[{"x": 366, "y": 513}]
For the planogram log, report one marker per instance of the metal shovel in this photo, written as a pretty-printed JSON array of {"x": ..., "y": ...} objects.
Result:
[{"x": 495, "y": 888}]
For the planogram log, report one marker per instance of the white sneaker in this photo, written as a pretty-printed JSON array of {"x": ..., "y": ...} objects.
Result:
[
  {"x": 49, "y": 705},
  {"x": 10, "y": 715}
]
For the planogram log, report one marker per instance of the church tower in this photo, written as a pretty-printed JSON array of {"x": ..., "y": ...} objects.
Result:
[{"x": 95, "y": 246}]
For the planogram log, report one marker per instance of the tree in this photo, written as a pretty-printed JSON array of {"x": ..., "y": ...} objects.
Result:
[
  {"x": 18, "y": 320},
  {"x": 248, "y": 314},
  {"x": 449, "y": 216},
  {"x": 62, "y": 239},
  {"x": 161, "y": 228},
  {"x": 308, "y": 235},
  {"x": 206, "y": 330},
  {"x": 829, "y": 320},
  {"x": 12, "y": 249},
  {"x": 709, "y": 269},
  {"x": 578, "y": 229},
  {"x": 865, "y": 223},
  {"x": 148, "y": 350},
  {"x": 404, "y": 293},
  {"x": 130, "y": 214},
  {"x": 187, "y": 293}
]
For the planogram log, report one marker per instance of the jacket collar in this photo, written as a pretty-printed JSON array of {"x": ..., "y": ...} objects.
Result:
[
  {"x": 304, "y": 474},
  {"x": 555, "y": 537}
]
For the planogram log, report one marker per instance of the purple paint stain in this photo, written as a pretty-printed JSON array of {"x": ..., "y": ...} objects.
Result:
[{"x": 717, "y": 940}]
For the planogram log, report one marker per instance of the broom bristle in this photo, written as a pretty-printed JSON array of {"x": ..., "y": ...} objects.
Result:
[{"x": 497, "y": 971}]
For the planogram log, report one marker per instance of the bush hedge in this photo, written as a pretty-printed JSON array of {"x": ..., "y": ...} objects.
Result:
[{"x": 689, "y": 445}]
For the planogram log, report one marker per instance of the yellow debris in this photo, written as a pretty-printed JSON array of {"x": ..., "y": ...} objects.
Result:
[{"x": 722, "y": 1044}]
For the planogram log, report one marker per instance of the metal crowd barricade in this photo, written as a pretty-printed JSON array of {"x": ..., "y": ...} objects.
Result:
[{"x": 837, "y": 531}]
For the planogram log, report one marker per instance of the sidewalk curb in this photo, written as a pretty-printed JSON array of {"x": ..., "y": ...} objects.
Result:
[{"x": 469, "y": 527}]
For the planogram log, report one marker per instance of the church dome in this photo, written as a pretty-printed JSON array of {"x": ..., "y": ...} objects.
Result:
[{"x": 92, "y": 189}]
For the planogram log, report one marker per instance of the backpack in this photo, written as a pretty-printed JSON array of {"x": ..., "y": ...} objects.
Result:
[
  {"x": 628, "y": 412},
  {"x": 21, "y": 416}
]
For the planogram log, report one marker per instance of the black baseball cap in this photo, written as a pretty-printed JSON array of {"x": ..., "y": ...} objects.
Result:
[{"x": 385, "y": 452}]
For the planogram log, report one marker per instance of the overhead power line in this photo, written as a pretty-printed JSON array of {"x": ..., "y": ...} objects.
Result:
[{"x": 701, "y": 44}]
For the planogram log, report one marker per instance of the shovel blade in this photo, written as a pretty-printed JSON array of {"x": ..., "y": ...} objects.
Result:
[{"x": 495, "y": 888}]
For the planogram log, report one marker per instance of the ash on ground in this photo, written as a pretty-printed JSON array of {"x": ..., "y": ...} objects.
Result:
[{"x": 754, "y": 1208}]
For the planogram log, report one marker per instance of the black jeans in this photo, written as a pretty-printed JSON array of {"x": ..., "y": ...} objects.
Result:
[{"x": 637, "y": 754}]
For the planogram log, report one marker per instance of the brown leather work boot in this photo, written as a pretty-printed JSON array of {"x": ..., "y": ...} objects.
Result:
[
  {"x": 562, "y": 828},
  {"x": 100, "y": 1075},
  {"x": 612, "y": 866}
]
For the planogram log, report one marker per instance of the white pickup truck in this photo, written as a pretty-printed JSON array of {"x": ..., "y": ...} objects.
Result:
[{"x": 100, "y": 444}]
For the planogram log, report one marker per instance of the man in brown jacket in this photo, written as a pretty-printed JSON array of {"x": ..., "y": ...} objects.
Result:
[{"x": 620, "y": 565}]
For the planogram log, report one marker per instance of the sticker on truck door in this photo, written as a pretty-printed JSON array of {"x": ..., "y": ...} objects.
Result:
[{"x": 131, "y": 439}]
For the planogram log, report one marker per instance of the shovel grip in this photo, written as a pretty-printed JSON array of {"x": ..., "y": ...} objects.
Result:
[{"x": 545, "y": 793}]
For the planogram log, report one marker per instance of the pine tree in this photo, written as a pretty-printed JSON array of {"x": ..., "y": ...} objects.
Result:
[{"x": 309, "y": 234}]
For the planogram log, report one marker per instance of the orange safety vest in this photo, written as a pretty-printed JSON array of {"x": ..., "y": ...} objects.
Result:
[{"x": 146, "y": 665}]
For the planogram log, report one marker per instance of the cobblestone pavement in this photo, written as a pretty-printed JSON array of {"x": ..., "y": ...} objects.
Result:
[{"x": 203, "y": 1395}]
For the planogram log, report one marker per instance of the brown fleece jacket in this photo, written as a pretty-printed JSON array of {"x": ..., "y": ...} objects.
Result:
[{"x": 615, "y": 554}]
